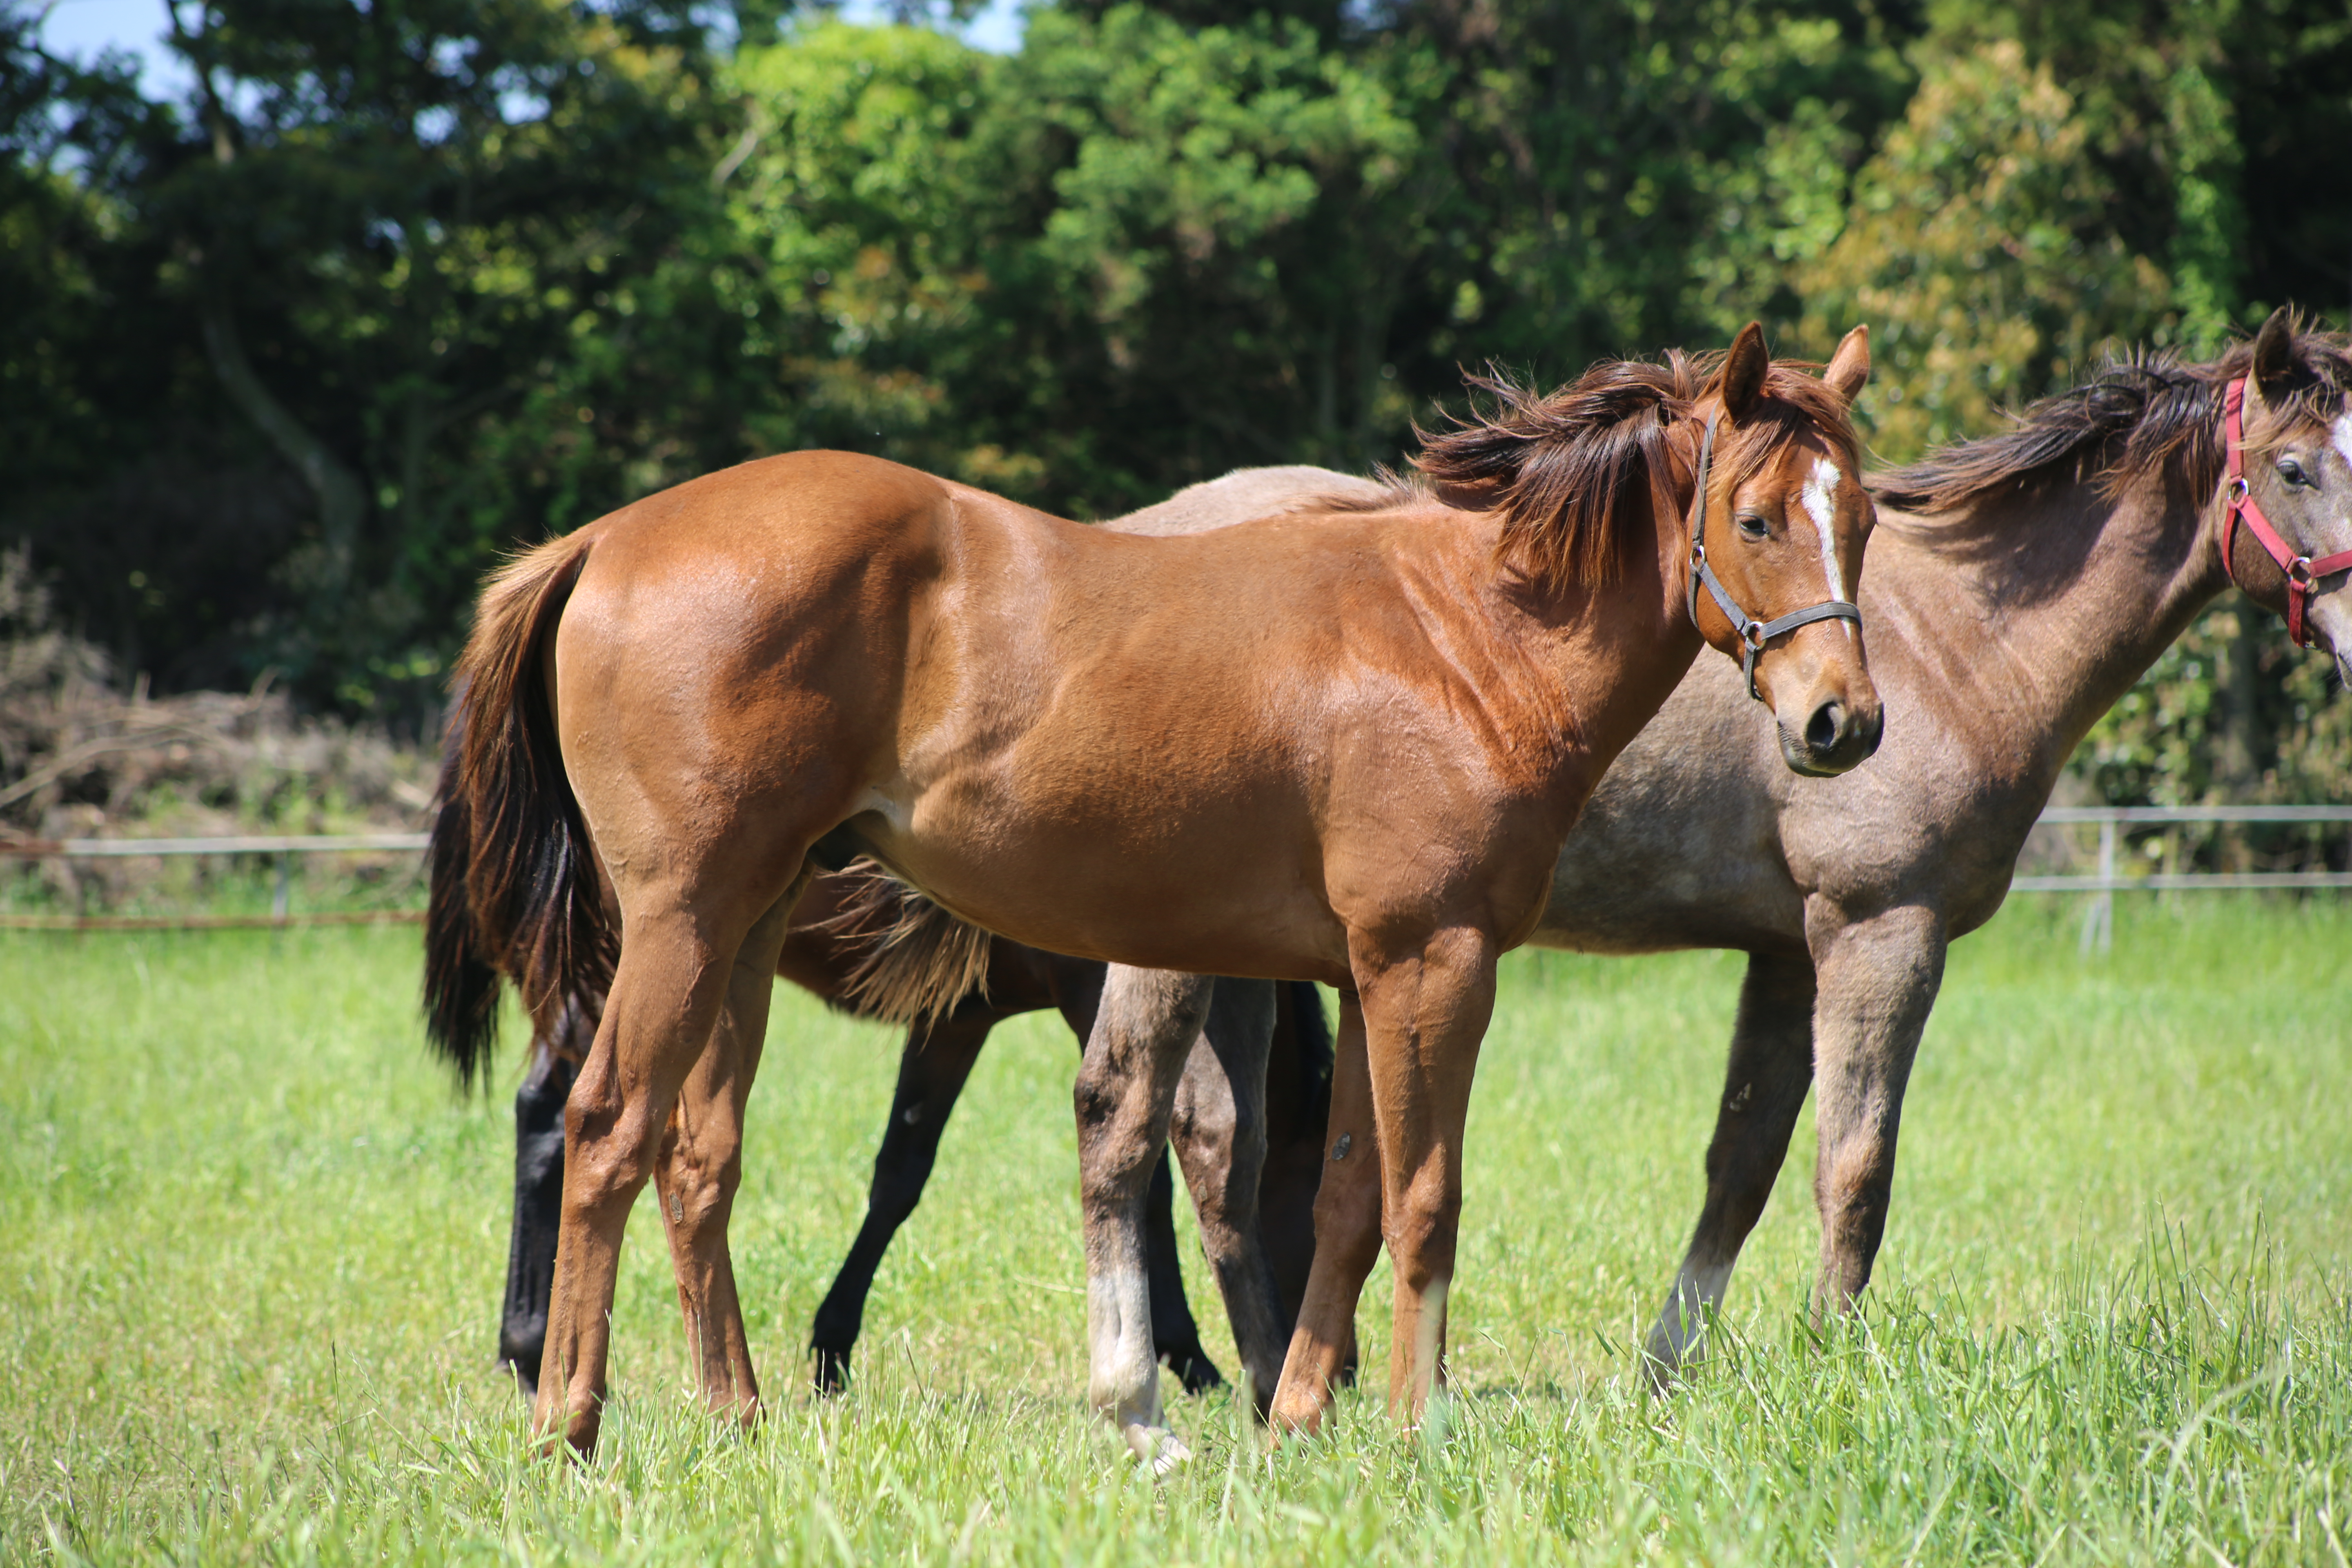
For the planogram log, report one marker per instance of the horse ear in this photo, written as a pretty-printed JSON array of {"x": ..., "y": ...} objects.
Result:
[
  {"x": 2274, "y": 349},
  {"x": 1849, "y": 368},
  {"x": 1743, "y": 373}
]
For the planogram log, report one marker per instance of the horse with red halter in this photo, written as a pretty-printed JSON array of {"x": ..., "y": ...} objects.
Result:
[{"x": 1137, "y": 750}]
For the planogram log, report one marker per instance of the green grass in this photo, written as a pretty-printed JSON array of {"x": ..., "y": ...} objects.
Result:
[{"x": 251, "y": 1244}]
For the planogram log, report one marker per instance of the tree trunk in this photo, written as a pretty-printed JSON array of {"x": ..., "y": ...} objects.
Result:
[{"x": 342, "y": 502}]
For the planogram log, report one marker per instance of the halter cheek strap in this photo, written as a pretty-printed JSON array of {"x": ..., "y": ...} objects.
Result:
[
  {"x": 2302, "y": 573},
  {"x": 1753, "y": 634}
]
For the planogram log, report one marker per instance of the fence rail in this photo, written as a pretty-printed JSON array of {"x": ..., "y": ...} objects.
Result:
[
  {"x": 283, "y": 846},
  {"x": 2099, "y": 918},
  {"x": 2099, "y": 926}
]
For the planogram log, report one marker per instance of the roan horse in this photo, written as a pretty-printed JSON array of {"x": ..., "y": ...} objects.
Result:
[
  {"x": 1136, "y": 750},
  {"x": 2018, "y": 587}
]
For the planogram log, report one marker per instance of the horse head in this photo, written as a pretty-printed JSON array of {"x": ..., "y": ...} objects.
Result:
[
  {"x": 2287, "y": 480},
  {"x": 1777, "y": 524}
]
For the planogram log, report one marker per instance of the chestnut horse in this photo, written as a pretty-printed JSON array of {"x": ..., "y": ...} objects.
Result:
[
  {"x": 839, "y": 948},
  {"x": 1132, "y": 749}
]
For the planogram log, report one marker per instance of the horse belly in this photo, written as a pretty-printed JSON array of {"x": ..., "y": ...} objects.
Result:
[{"x": 1126, "y": 869}]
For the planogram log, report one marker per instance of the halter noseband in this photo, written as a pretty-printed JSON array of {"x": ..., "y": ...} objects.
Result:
[
  {"x": 1753, "y": 634},
  {"x": 2302, "y": 573}
]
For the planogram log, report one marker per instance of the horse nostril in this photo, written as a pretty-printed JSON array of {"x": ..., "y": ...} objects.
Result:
[{"x": 1823, "y": 731}]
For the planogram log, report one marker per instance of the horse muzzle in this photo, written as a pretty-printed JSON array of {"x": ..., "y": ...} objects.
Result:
[{"x": 1836, "y": 737}]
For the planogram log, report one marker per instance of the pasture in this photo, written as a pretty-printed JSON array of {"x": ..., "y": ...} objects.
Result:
[{"x": 251, "y": 1245}]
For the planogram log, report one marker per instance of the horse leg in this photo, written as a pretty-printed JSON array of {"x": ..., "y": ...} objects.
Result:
[
  {"x": 672, "y": 980},
  {"x": 1298, "y": 1106},
  {"x": 1126, "y": 1091},
  {"x": 701, "y": 1165},
  {"x": 1877, "y": 980},
  {"x": 933, "y": 1071},
  {"x": 1175, "y": 1336},
  {"x": 1347, "y": 1237},
  {"x": 1219, "y": 1131},
  {"x": 537, "y": 1195},
  {"x": 1764, "y": 1086},
  {"x": 1425, "y": 1017}
]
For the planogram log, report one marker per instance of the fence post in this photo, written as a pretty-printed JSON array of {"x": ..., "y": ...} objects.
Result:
[{"x": 2099, "y": 920}]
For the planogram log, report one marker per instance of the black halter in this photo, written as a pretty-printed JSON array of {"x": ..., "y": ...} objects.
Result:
[{"x": 1753, "y": 634}]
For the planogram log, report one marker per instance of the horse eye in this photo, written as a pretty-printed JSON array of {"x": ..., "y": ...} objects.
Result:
[
  {"x": 1751, "y": 527},
  {"x": 2292, "y": 472}
]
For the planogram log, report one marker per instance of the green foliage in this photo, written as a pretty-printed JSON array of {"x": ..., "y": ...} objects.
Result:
[
  {"x": 1054, "y": 274},
  {"x": 250, "y": 1249},
  {"x": 1981, "y": 253},
  {"x": 499, "y": 268}
]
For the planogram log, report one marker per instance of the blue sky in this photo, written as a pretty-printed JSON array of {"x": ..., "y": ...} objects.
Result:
[{"x": 81, "y": 29}]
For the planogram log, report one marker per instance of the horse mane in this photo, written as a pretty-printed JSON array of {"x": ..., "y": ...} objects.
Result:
[
  {"x": 915, "y": 961},
  {"x": 1577, "y": 472},
  {"x": 2167, "y": 414}
]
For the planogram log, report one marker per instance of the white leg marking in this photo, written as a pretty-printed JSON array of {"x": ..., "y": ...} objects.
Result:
[
  {"x": 1124, "y": 1380},
  {"x": 1819, "y": 497}
]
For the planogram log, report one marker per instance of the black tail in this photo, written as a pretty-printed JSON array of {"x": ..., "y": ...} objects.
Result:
[
  {"x": 515, "y": 885},
  {"x": 461, "y": 984}
]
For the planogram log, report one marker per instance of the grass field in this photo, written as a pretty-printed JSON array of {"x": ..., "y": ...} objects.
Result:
[{"x": 251, "y": 1244}]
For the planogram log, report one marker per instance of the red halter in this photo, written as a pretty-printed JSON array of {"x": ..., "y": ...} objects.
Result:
[{"x": 2302, "y": 573}]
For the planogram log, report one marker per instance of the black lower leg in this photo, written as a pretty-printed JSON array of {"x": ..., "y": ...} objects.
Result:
[
  {"x": 538, "y": 1210},
  {"x": 932, "y": 1074},
  {"x": 1175, "y": 1337}
]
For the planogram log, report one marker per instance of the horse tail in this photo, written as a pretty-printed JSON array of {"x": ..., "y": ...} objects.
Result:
[
  {"x": 530, "y": 882},
  {"x": 461, "y": 981},
  {"x": 915, "y": 961}
]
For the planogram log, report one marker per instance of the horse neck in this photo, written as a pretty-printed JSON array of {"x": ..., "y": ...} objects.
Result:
[
  {"x": 1605, "y": 659},
  {"x": 2036, "y": 611}
]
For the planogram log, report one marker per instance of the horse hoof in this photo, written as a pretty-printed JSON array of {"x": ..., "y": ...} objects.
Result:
[
  {"x": 1156, "y": 1447},
  {"x": 832, "y": 1374},
  {"x": 525, "y": 1384},
  {"x": 1662, "y": 1365},
  {"x": 1196, "y": 1371}
]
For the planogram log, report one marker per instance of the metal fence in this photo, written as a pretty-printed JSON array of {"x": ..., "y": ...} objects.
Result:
[
  {"x": 2098, "y": 921},
  {"x": 282, "y": 847},
  {"x": 2099, "y": 918}
]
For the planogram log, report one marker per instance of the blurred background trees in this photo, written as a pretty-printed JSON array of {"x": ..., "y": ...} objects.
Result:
[{"x": 287, "y": 360}]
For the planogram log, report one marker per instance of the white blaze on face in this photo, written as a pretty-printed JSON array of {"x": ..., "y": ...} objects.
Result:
[
  {"x": 2342, "y": 432},
  {"x": 1819, "y": 497}
]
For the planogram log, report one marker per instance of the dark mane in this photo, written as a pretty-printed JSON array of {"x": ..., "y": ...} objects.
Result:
[
  {"x": 2164, "y": 413},
  {"x": 1577, "y": 473}
]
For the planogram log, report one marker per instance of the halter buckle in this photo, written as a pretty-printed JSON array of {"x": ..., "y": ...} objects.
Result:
[
  {"x": 2298, "y": 571},
  {"x": 2239, "y": 489},
  {"x": 1751, "y": 636}
]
